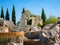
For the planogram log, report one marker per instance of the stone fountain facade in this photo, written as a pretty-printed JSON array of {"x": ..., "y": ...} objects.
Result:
[{"x": 26, "y": 18}]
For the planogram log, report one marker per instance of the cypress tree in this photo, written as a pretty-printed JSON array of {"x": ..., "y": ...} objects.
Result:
[
  {"x": 23, "y": 10},
  {"x": 13, "y": 15},
  {"x": 7, "y": 15},
  {"x": 43, "y": 16},
  {"x": 2, "y": 13}
]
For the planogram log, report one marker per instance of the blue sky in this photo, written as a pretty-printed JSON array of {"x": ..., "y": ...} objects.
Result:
[{"x": 51, "y": 7}]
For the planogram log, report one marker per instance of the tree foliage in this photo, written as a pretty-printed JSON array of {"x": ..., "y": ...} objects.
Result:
[
  {"x": 39, "y": 25},
  {"x": 23, "y": 10},
  {"x": 51, "y": 20},
  {"x": 2, "y": 13},
  {"x": 33, "y": 15},
  {"x": 43, "y": 16},
  {"x": 13, "y": 15},
  {"x": 18, "y": 23},
  {"x": 29, "y": 22},
  {"x": 7, "y": 15}
]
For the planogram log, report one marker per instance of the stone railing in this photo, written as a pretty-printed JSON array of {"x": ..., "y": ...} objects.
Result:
[{"x": 11, "y": 34}]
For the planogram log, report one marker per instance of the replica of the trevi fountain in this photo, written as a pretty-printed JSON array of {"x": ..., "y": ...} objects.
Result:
[{"x": 28, "y": 30}]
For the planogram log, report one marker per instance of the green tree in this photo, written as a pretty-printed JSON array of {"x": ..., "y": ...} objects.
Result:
[
  {"x": 2, "y": 13},
  {"x": 23, "y": 10},
  {"x": 18, "y": 23},
  {"x": 33, "y": 15},
  {"x": 7, "y": 15},
  {"x": 51, "y": 20},
  {"x": 43, "y": 16},
  {"x": 13, "y": 15}
]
